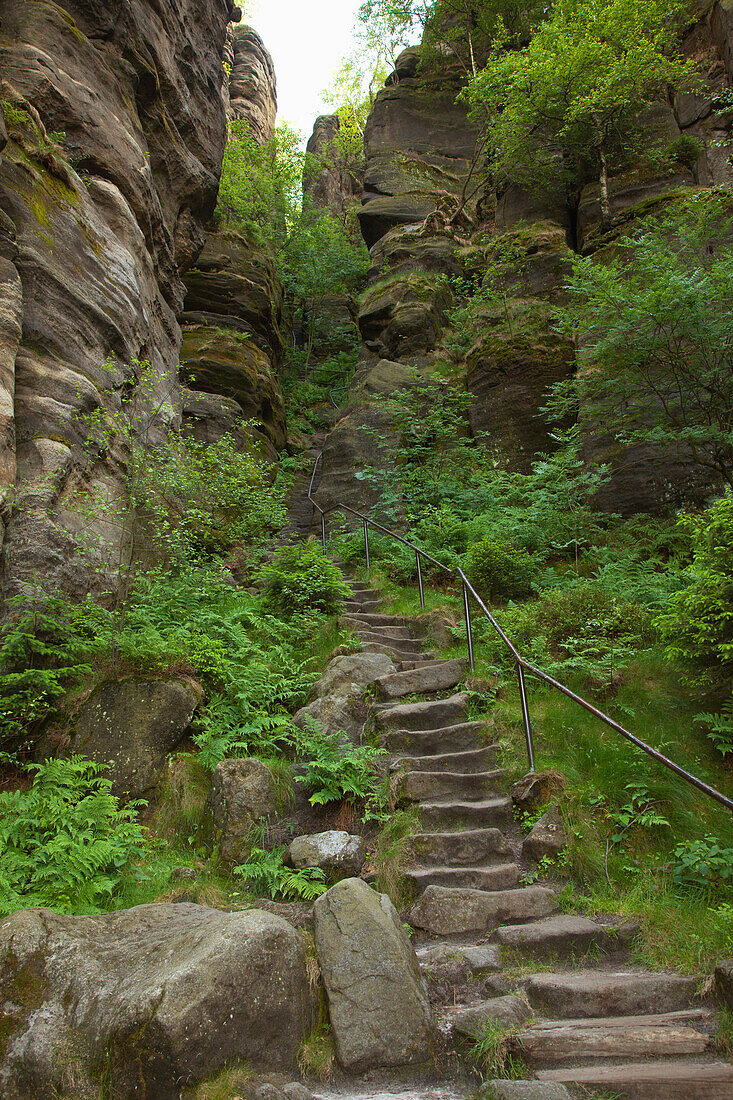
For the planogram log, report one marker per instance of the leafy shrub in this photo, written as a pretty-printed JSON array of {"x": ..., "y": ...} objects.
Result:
[
  {"x": 336, "y": 770},
  {"x": 500, "y": 570},
  {"x": 703, "y": 865},
  {"x": 265, "y": 874},
  {"x": 301, "y": 578},
  {"x": 65, "y": 840}
]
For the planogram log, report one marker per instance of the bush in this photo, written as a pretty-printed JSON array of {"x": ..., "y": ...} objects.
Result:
[
  {"x": 500, "y": 570},
  {"x": 335, "y": 770},
  {"x": 65, "y": 841},
  {"x": 703, "y": 865},
  {"x": 301, "y": 578}
]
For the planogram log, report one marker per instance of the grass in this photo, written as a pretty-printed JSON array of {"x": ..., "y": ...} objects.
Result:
[
  {"x": 492, "y": 1053},
  {"x": 317, "y": 1054},
  {"x": 230, "y": 1083},
  {"x": 391, "y": 856}
]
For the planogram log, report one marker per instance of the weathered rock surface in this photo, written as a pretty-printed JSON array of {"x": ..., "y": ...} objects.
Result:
[
  {"x": 335, "y": 851},
  {"x": 724, "y": 982},
  {"x": 103, "y": 226},
  {"x": 377, "y": 1003},
  {"x": 355, "y": 669},
  {"x": 508, "y": 1011},
  {"x": 131, "y": 725},
  {"x": 403, "y": 315},
  {"x": 332, "y": 180},
  {"x": 446, "y": 910},
  {"x": 152, "y": 994},
  {"x": 251, "y": 87},
  {"x": 548, "y": 837},
  {"x": 242, "y": 793},
  {"x": 524, "y": 1090}
]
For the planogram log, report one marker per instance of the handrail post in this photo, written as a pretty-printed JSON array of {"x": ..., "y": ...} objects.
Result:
[
  {"x": 323, "y": 530},
  {"x": 419, "y": 579},
  {"x": 366, "y": 544},
  {"x": 525, "y": 716},
  {"x": 469, "y": 633}
]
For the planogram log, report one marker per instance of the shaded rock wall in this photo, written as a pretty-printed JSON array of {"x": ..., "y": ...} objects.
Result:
[
  {"x": 106, "y": 184},
  {"x": 331, "y": 180},
  {"x": 251, "y": 92}
]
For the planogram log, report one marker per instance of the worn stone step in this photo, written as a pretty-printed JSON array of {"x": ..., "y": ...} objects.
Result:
[
  {"x": 497, "y": 876},
  {"x": 418, "y": 661},
  {"x": 467, "y": 761},
  {"x": 390, "y": 651},
  {"x": 364, "y": 590},
  {"x": 431, "y": 715},
  {"x": 392, "y": 634},
  {"x": 372, "y": 618},
  {"x": 470, "y": 846},
  {"x": 439, "y": 816},
  {"x": 440, "y": 742},
  {"x": 446, "y": 911},
  {"x": 593, "y": 993},
  {"x": 424, "y": 786},
  {"x": 438, "y": 676},
  {"x": 660, "y": 1080},
  {"x": 361, "y": 605},
  {"x": 667, "y": 1035},
  {"x": 564, "y": 935}
]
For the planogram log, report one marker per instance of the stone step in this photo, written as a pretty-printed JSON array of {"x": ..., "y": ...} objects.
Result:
[
  {"x": 470, "y": 846},
  {"x": 390, "y": 634},
  {"x": 363, "y": 588},
  {"x": 390, "y": 651},
  {"x": 439, "y": 816},
  {"x": 497, "y": 876},
  {"x": 467, "y": 761},
  {"x": 439, "y": 676},
  {"x": 424, "y": 786},
  {"x": 418, "y": 661},
  {"x": 564, "y": 935},
  {"x": 668, "y": 1035},
  {"x": 441, "y": 742},
  {"x": 673, "y": 1080},
  {"x": 355, "y": 606},
  {"x": 593, "y": 993},
  {"x": 431, "y": 715},
  {"x": 371, "y": 618},
  {"x": 446, "y": 911}
]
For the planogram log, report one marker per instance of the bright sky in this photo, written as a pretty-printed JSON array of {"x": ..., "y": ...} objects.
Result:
[{"x": 307, "y": 40}]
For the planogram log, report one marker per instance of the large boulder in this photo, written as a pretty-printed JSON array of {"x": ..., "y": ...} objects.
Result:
[
  {"x": 242, "y": 793},
  {"x": 132, "y": 725},
  {"x": 337, "y": 701},
  {"x": 358, "y": 669},
  {"x": 154, "y": 998},
  {"x": 335, "y": 851},
  {"x": 377, "y": 1002},
  {"x": 403, "y": 314}
]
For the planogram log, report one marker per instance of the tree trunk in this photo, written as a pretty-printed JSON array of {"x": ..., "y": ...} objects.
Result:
[{"x": 605, "y": 200}]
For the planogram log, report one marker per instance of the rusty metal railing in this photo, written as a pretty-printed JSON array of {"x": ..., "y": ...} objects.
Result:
[{"x": 521, "y": 664}]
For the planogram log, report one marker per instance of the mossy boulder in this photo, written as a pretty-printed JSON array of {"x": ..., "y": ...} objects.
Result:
[
  {"x": 147, "y": 1000},
  {"x": 403, "y": 314}
]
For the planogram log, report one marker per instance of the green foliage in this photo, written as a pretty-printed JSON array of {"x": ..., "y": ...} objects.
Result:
[
  {"x": 266, "y": 875},
  {"x": 499, "y": 570},
  {"x": 655, "y": 324},
  {"x": 698, "y": 624},
  {"x": 260, "y": 184},
  {"x": 335, "y": 770},
  {"x": 571, "y": 99},
  {"x": 42, "y": 655},
  {"x": 703, "y": 865},
  {"x": 301, "y": 578},
  {"x": 492, "y": 1052},
  {"x": 65, "y": 841}
]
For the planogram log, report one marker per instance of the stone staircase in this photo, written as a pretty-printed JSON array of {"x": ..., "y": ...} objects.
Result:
[{"x": 584, "y": 1020}]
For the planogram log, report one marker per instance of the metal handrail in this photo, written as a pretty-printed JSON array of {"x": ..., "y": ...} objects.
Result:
[{"x": 522, "y": 665}]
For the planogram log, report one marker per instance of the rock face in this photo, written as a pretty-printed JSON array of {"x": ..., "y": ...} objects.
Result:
[
  {"x": 378, "y": 1007},
  {"x": 336, "y": 852},
  {"x": 337, "y": 702},
  {"x": 548, "y": 837},
  {"x": 242, "y": 793},
  {"x": 252, "y": 92},
  {"x": 332, "y": 180},
  {"x": 98, "y": 221},
  {"x": 153, "y": 995},
  {"x": 132, "y": 726}
]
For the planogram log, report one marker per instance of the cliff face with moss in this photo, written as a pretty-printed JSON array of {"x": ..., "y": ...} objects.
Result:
[
  {"x": 429, "y": 216},
  {"x": 116, "y": 124}
]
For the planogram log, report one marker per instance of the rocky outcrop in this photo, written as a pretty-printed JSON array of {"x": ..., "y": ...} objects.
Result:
[
  {"x": 251, "y": 92},
  {"x": 333, "y": 180},
  {"x": 151, "y": 998},
  {"x": 376, "y": 999},
  {"x": 242, "y": 794},
  {"x": 131, "y": 727},
  {"x": 116, "y": 132}
]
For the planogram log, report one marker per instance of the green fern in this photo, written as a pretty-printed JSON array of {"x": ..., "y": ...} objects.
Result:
[
  {"x": 266, "y": 874},
  {"x": 65, "y": 840}
]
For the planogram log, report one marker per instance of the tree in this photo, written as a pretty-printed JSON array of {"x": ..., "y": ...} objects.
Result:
[
  {"x": 656, "y": 329},
  {"x": 576, "y": 91}
]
